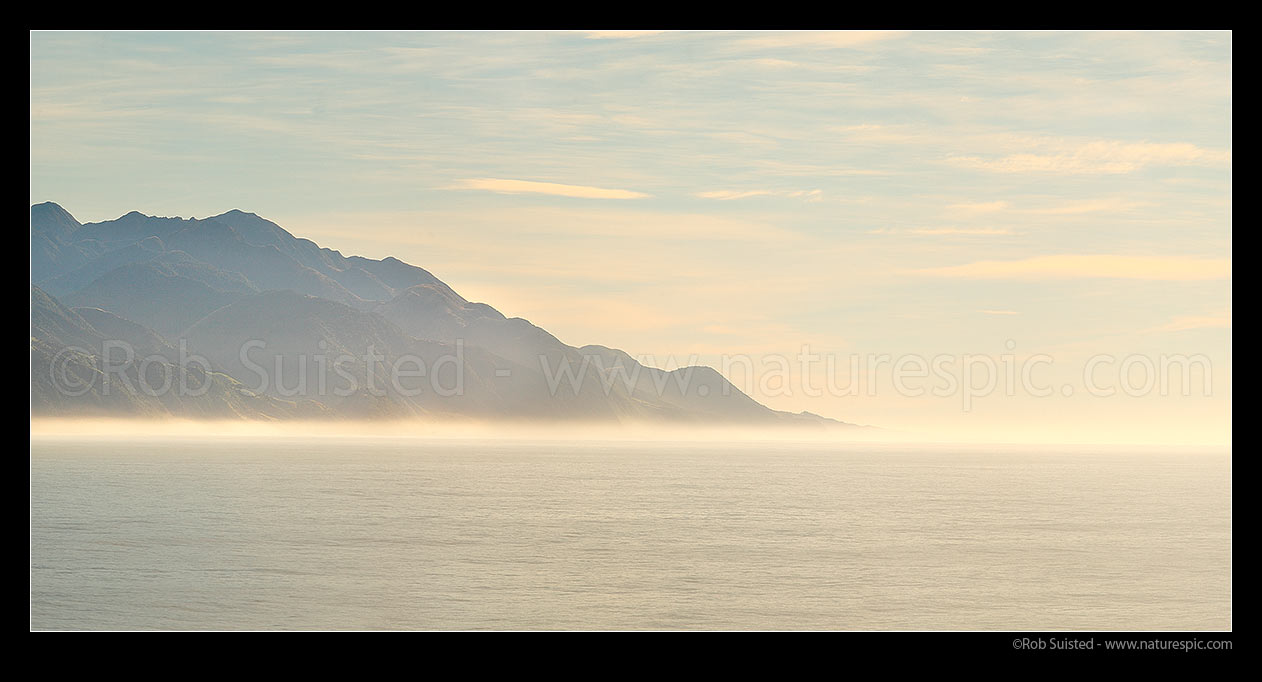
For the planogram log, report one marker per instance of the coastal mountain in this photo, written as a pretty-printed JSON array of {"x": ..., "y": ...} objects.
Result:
[
  {"x": 114, "y": 367},
  {"x": 125, "y": 313}
]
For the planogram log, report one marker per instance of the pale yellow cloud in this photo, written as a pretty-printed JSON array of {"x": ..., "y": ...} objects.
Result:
[
  {"x": 1089, "y": 206},
  {"x": 726, "y": 194},
  {"x": 942, "y": 231},
  {"x": 729, "y": 194},
  {"x": 822, "y": 38},
  {"x": 978, "y": 208},
  {"x": 931, "y": 231},
  {"x": 774, "y": 167},
  {"x": 606, "y": 35},
  {"x": 531, "y": 187},
  {"x": 1186, "y": 322},
  {"x": 999, "y": 312},
  {"x": 1102, "y": 157},
  {"x": 1076, "y": 266},
  {"x": 966, "y": 51},
  {"x": 1033, "y": 154}
]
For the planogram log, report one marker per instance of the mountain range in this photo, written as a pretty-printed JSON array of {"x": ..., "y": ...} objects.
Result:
[{"x": 233, "y": 316}]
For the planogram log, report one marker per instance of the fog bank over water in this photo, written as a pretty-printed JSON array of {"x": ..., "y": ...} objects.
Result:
[{"x": 114, "y": 429}]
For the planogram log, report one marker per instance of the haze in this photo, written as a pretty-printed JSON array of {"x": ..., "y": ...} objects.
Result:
[{"x": 723, "y": 198}]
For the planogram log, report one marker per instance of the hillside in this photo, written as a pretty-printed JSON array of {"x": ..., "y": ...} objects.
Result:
[{"x": 279, "y": 327}]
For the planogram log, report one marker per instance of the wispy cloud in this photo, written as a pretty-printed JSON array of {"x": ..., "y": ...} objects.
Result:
[
  {"x": 1078, "y": 266},
  {"x": 776, "y": 167},
  {"x": 729, "y": 194},
  {"x": 1089, "y": 206},
  {"x": 978, "y": 208},
  {"x": 1100, "y": 157},
  {"x": 503, "y": 186},
  {"x": 960, "y": 230},
  {"x": 607, "y": 35},
  {"x": 957, "y": 51},
  {"x": 936, "y": 231},
  {"x": 1186, "y": 322},
  {"x": 879, "y": 134},
  {"x": 833, "y": 39},
  {"x": 775, "y": 63},
  {"x": 1109, "y": 205},
  {"x": 970, "y": 149}
]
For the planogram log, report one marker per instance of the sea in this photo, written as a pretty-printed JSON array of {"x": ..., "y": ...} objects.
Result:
[{"x": 402, "y": 533}]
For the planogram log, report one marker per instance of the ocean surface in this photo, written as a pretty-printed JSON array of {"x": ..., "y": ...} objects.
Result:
[{"x": 348, "y": 533}]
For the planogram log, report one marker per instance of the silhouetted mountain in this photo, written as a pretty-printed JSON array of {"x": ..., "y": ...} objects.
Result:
[
  {"x": 282, "y": 327},
  {"x": 55, "y": 246},
  {"x": 78, "y": 369},
  {"x": 695, "y": 392},
  {"x": 323, "y": 348},
  {"x": 351, "y": 276},
  {"x": 153, "y": 294}
]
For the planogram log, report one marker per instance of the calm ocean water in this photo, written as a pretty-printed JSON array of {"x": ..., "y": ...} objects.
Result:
[{"x": 384, "y": 534}]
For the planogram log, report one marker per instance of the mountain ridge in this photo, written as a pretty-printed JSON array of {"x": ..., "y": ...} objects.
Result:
[{"x": 253, "y": 302}]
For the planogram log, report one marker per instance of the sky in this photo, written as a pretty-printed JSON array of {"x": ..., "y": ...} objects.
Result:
[{"x": 984, "y": 235}]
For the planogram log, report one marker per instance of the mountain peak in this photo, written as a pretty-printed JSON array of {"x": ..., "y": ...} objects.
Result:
[
  {"x": 49, "y": 213},
  {"x": 225, "y": 279}
]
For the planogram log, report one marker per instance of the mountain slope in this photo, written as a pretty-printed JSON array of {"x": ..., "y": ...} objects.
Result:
[
  {"x": 282, "y": 342},
  {"x": 55, "y": 245},
  {"x": 121, "y": 368},
  {"x": 156, "y": 295},
  {"x": 287, "y": 328}
]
